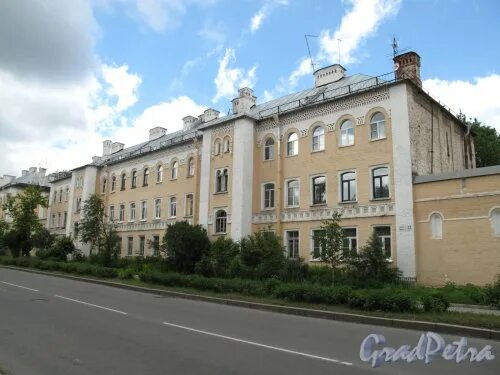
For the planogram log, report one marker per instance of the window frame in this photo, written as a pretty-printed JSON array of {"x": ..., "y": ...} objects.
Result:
[
  {"x": 313, "y": 178},
  {"x": 186, "y": 205},
  {"x": 217, "y": 146},
  {"x": 223, "y": 175},
  {"x": 287, "y": 181},
  {"x": 191, "y": 167},
  {"x": 263, "y": 196},
  {"x": 436, "y": 233},
  {"x": 341, "y": 185},
  {"x": 113, "y": 183},
  {"x": 157, "y": 208},
  {"x": 174, "y": 170},
  {"x": 217, "y": 219},
  {"x": 269, "y": 149},
  {"x": 320, "y": 139},
  {"x": 226, "y": 144},
  {"x": 144, "y": 210},
  {"x": 378, "y": 125},
  {"x": 132, "y": 212},
  {"x": 111, "y": 217},
  {"x": 142, "y": 245},
  {"x": 372, "y": 182},
  {"x": 121, "y": 218},
  {"x": 341, "y": 134},
  {"x": 494, "y": 217},
  {"x": 356, "y": 238},
  {"x": 133, "y": 180},
  {"x": 385, "y": 237},
  {"x": 123, "y": 181},
  {"x": 287, "y": 243},
  {"x": 313, "y": 244},
  {"x": 130, "y": 245},
  {"x": 145, "y": 177},
  {"x": 172, "y": 207},
  {"x": 295, "y": 143},
  {"x": 159, "y": 173}
]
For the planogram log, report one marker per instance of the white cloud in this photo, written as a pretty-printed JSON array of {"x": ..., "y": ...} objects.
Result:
[
  {"x": 213, "y": 32},
  {"x": 475, "y": 98},
  {"x": 359, "y": 23},
  {"x": 263, "y": 13},
  {"x": 122, "y": 85},
  {"x": 229, "y": 79}
]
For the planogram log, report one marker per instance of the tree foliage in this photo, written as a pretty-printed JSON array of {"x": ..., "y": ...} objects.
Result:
[
  {"x": 486, "y": 142},
  {"x": 25, "y": 222},
  {"x": 217, "y": 261},
  {"x": 95, "y": 229},
  {"x": 184, "y": 245},
  {"x": 262, "y": 255},
  {"x": 331, "y": 239}
]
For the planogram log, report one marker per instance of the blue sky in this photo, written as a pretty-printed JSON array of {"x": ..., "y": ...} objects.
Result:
[{"x": 101, "y": 69}]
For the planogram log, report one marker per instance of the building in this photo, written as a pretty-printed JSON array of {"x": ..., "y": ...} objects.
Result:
[
  {"x": 11, "y": 185},
  {"x": 360, "y": 144}
]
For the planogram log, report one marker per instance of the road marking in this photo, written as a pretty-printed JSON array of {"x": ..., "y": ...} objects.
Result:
[
  {"x": 91, "y": 304},
  {"x": 258, "y": 344},
  {"x": 19, "y": 286}
]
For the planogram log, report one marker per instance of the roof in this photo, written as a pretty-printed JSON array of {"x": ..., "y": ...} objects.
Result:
[
  {"x": 474, "y": 172},
  {"x": 30, "y": 179}
]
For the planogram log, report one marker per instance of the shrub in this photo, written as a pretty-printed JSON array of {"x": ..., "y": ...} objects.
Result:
[
  {"x": 125, "y": 274},
  {"x": 435, "y": 303},
  {"x": 262, "y": 254},
  {"x": 185, "y": 245},
  {"x": 383, "y": 300},
  {"x": 492, "y": 293},
  {"x": 60, "y": 249},
  {"x": 294, "y": 270},
  {"x": 216, "y": 262}
]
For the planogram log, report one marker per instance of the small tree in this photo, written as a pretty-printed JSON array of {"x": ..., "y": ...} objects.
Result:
[
  {"x": 43, "y": 239},
  {"x": 331, "y": 239},
  {"x": 184, "y": 245},
  {"x": 4, "y": 228},
  {"x": 95, "y": 229},
  {"x": 262, "y": 254},
  {"x": 25, "y": 222},
  {"x": 217, "y": 261}
]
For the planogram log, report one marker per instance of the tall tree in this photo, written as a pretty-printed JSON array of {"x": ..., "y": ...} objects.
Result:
[
  {"x": 25, "y": 222},
  {"x": 486, "y": 142},
  {"x": 96, "y": 230},
  {"x": 331, "y": 239}
]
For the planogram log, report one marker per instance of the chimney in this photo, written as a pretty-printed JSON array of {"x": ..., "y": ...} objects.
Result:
[
  {"x": 41, "y": 171},
  {"x": 407, "y": 66},
  {"x": 188, "y": 122},
  {"x": 116, "y": 146},
  {"x": 210, "y": 114},
  {"x": 24, "y": 172},
  {"x": 107, "y": 146},
  {"x": 96, "y": 159},
  {"x": 201, "y": 118},
  {"x": 33, "y": 170},
  {"x": 244, "y": 102},
  {"x": 156, "y": 133},
  {"x": 329, "y": 74}
]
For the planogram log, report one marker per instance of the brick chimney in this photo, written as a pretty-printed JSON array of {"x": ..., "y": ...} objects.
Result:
[
  {"x": 244, "y": 101},
  {"x": 106, "y": 147},
  {"x": 407, "y": 66},
  {"x": 188, "y": 122}
]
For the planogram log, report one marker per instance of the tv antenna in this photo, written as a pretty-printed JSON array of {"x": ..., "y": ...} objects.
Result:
[
  {"x": 395, "y": 47},
  {"x": 338, "y": 42},
  {"x": 309, "y": 49}
]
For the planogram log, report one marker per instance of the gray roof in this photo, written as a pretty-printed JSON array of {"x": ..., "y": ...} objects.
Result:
[
  {"x": 35, "y": 179},
  {"x": 474, "y": 172}
]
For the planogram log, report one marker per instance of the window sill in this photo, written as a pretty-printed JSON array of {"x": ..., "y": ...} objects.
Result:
[
  {"x": 292, "y": 207},
  {"x": 316, "y": 151},
  {"x": 380, "y": 199},
  {"x": 172, "y": 217},
  {"x": 348, "y": 202},
  {"x": 267, "y": 209},
  {"x": 131, "y": 221},
  {"x": 113, "y": 191},
  {"x": 345, "y": 146},
  {"x": 190, "y": 176},
  {"x": 188, "y": 216},
  {"x": 143, "y": 220},
  {"x": 159, "y": 182},
  {"x": 173, "y": 179},
  {"x": 220, "y": 192},
  {"x": 267, "y": 160},
  {"x": 318, "y": 205},
  {"x": 220, "y": 234},
  {"x": 378, "y": 139},
  {"x": 292, "y": 156}
]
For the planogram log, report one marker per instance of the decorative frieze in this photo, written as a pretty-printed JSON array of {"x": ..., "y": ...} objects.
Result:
[
  {"x": 155, "y": 225},
  {"x": 224, "y": 129},
  {"x": 360, "y": 120},
  {"x": 372, "y": 210}
]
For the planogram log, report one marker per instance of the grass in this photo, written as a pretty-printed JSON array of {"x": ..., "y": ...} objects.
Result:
[{"x": 448, "y": 317}]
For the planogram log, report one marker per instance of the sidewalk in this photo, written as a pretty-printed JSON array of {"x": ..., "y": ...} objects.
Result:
[{"x": 473, "y": 309}]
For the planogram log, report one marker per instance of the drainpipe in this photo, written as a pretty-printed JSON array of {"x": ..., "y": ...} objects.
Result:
[{"x": 279, "y": 179}]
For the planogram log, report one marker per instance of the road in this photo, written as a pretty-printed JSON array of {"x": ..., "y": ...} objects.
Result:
[{"x": 53, "y": 326}]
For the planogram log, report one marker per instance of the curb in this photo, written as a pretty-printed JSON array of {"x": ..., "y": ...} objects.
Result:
[
  {"x": 478, "y": 307},
  {"x": 300, "y": 311}
]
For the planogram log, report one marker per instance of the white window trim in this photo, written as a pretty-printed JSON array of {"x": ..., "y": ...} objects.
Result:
[
  {"x": 214, "y": 214},
  {"x": 154, "y": 204},
  {"x": 171, "y": 169},
  {"x": 339, "y": 183},
  {"x": 130, "y": 211},
  {"x": 286, "y": 191},
  {"x": 370, "y": 178},
  {"x": 392, "y": 237},
  {"x": 140, "y": 208},
  {"x": 286, "y": 241},
  {"x": 215, "y": 180},
  {"x": 170, "y": 206},
  {"x": 433, "y": 237},
  {"x": 262, "y": 196},
  {"x": 311, "y": 244},
  {"x": 357, "y": 235},
  {"x": 377, "y": 122},
  {"x": 313, "y": 128},
  {"x": 186, "y": 205},
  {"x": 124, "y": 212},
  {"x": 264, "y": 148},
  {"x": 162, "y": 172},
  {"x": 298, "y": 144},
  {"x": 340, "y": 133},
  {"x": 311, "y": 189}
]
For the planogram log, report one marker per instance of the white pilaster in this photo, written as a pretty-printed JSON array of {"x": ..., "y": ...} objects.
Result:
[
  {"x": 242, "y": 188},
  {"x": 204, "y": 198},
  {"x": 403, "y": 186}
]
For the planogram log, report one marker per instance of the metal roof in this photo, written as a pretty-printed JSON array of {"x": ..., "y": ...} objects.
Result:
[{"x": 474, "y": 172}]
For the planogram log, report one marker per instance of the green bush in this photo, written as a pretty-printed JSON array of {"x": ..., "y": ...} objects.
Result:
[
  {"x": 435, "y": 303},
  {"x": 262, "y": 255},
  {"x": 217, "y": 261},
  {"x": 294, "y": 270},
  {"x": 382, "y": 300},
  {"x": 492, "y": 293},
  {"x": 125, "y": 274}
]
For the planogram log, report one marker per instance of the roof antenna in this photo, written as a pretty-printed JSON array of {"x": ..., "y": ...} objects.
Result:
[
  {"x": 338, "y": 41},
  {"x": 396, "y": 50},
  {"x": 309, "y": 50}
]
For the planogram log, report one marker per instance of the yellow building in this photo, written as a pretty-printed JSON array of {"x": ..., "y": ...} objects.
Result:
[{"x": 356, "y": 144}]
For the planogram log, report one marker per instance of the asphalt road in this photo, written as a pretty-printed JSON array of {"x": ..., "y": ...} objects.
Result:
[{"x": 53, "y": 326}]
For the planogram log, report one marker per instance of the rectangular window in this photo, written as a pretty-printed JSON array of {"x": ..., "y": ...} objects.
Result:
[
  {"x": 59, "y": 220},
  {"x": 142, "y": 245},
  {"x": 132, "y": 212},
  {"x": 78, "y": 204},
  {"x": 317, "y": 245},
  {"x": 124, "y": 177},
  {"x": 53, "y": 220},
  {"x": 384, "y": 235},
  {"x": 189, "y": 205},
  {"x": 121, "y": 217},
  {"x": 380, "y": 182},
  {"x": 112, "y": 213},
  {"x": 268, "y": 195},
  {"x": 319, "y": 190},
  {"x": 65, "y": 219},
  {"x": 144, "y": 210},
  {"x": 350, "y": 239},
  {"x": 173, "y": 206},
  {"x": 130, "y": 246},
  {"x": 157, "y": 208},
  {"x": 292, "y": 243},
  {"x": 292, "y": 192},
  {"x": 156, "y": 246},
  {"x": 348, "y": 186},
  {"x": 221, "y": 180}
]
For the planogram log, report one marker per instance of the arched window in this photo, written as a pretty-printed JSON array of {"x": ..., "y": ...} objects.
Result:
[
  {"x": 319, "y": 190},
  {"x": 104, "y": 185},
  {"x": 318, "y": 139},
  {"x": 436, "y": 226},
  {"x": 175, "y": 167},
  {"x": 113, "y": 183},
  {"x": 225, "y": 146},
  {"x": 377, "y": 126},
  {"x": 221, "y": 180},
  {"x": 292, "y": 144},
  {"x": 269, "y": 149},
  {"x": 191, "y": 167},
  {"x": 380, "y": 182},
  {"x": 217, "y": 147},
  {"x": 145, "y": 180},
  {"x": 346, "y": 133},
  {"x": 67, "y": 194},
  {"x": 292, "y": 192},
  {"x": 495, "y": 221},
  {"x": 133, "y": 184},
  {"x": 220, "y": 221},
  {"x": 159, "y": 173},
  {"x": 124, "y": 178},
  {"x": 348, "y": 186}
]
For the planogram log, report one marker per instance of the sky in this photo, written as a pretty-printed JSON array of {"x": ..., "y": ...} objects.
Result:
[{"x": 74, "y": 73}]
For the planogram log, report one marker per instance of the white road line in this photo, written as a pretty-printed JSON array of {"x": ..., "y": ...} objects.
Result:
[
  {"x": 258, "y": 344},
  {"x": 19, "y": 286},
  {"x": 91, "y": 304}
]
